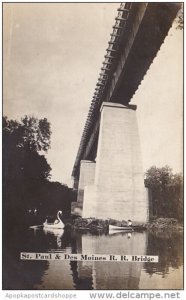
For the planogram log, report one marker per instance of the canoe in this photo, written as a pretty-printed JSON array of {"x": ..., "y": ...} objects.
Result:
[{"x": 122, "y": 228}]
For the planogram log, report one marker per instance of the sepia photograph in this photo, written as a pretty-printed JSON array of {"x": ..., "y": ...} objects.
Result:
[{"x": 92, "y": 146}]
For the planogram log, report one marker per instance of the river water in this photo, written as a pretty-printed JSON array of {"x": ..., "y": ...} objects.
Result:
[{"x": 80, "y": 275}]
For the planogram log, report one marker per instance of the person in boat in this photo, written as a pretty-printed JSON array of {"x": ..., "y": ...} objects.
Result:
[
  {"x": 56, "y": 224},
  {"x": 56, "y": 221},
  {"x": 129, "y": 223},
  {"x": 47, "y": 221}
]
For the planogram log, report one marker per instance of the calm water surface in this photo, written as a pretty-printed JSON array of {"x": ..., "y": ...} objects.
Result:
[{"x": 166, "y": 274}]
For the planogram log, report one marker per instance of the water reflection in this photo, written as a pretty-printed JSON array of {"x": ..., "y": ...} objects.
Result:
[
  {"x": 169, "y": 248},
  {"x": 168, "y": 272},
  {"x": 82, "y": 276},
  {"x": 19, "y": 274},
  {"x": 58, "y": 274},
  {"x": 57, "y": 233},
  {"x": 109, "y": 275},
  {"x": 95, "y": 274},
  {"x": 81, "y": 271}
]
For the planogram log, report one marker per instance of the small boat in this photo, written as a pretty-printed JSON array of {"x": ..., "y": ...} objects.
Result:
[
  {"x": 120, "y": 228},
  {"x": 58, "y": 224}
]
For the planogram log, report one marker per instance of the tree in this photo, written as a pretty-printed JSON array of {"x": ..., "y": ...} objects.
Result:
[
  {"x": 22, "y": 143},
  {"x": 26, "y": 174},
  {"x": 54, "y": 196},
  {"x": 31, "y": 133},
  {"x": 166, "y": 191},
  {"x": 180, "y": 18},
  {"x": 175, "y": 190},
  {"x": 24, "y": 166}
]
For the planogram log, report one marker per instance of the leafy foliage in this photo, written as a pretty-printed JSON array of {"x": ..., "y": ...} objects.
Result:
[
  {"x": 21, "y": 144},
  {"x": 26, "y": 173},
  {"x": 31, "y": 133},
  {"x": 180, "y": 19},
  {"x": 166, "y": 191},
  {"x": 24, "y": 168}
]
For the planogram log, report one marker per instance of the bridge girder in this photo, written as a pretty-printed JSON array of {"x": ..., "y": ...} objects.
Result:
[{"x": 138, "y": 34}]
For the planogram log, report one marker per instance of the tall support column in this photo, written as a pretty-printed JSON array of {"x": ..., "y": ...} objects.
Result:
[
  {"x": 118, "y": 191},
  {"x": 87, "y": 174}
]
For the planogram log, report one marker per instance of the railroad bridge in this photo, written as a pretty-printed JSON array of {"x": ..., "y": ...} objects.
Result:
[{"x": 108, "y": 171}]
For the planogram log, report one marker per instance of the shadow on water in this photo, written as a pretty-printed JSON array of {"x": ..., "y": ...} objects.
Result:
[
  {"x": 82, "y": 275},
  {"x": 19, "y": 274}
]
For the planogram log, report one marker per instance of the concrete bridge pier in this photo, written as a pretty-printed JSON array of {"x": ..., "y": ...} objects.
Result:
[
  {"x": 118, "y": 190},
  {"x": 87, "y": 175}
]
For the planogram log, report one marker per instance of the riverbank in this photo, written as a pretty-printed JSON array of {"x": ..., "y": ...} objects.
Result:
[{"x": 99, "y": 225}]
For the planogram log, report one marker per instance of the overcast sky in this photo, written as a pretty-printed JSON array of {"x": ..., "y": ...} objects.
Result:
[{"x": 52, "y": 57}]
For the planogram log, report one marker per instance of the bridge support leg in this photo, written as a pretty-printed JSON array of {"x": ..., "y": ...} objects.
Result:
[
  {"x": 118, "y": 191},
  {"x": 87, "y": 175}
]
